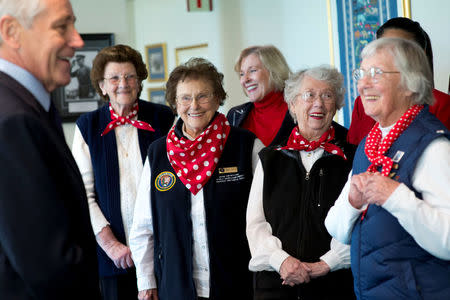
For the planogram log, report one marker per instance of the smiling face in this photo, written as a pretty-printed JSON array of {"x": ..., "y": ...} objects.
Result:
[
  {"x": 196, "y": 116},
  {"x": 254, "y": 78},
  {"x": 314, "y": 118},
  {"x": 47, "y": 46},
  {"x": 384, "y": 99},
  {"x": 123, "y": 95}
]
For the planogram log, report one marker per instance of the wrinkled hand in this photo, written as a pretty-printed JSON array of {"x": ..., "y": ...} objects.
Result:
[
  {"x": 151, "y": 294},
  {"x": 119, "y": 253},
  {"x": 357, "y": 187},
  {"x": 293, "y": 271},
  {"x": 318, "y": 269},
  {"x": 378, "y": 188}
]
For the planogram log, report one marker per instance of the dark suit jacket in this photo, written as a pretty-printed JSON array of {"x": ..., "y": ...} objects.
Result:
[{"x": 47, "y": 247}]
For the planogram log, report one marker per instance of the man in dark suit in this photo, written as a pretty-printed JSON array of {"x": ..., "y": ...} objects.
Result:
[{"x": 47, "y": 248}]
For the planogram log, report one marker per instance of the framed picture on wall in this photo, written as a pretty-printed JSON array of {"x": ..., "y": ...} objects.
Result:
[
  {"x": 156, "y": 60},
  {"x": 199, "y": 5},
  {"x": 157, "y": 95},
  {"x": 183, "y": 54},
  {"x": 79, "y": 96}
]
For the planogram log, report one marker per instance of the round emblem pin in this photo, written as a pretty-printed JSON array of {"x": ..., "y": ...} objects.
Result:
[{"x": 164, "y": 181}]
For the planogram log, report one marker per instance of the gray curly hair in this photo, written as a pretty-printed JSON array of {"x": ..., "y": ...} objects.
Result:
[{"x": 323, "y": 73}]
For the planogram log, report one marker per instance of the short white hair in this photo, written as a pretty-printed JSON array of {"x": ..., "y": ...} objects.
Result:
[
  {"x": 23, "y": 10},
  {"x": 325, "y": 73},
  {"x": 412, "y": 63}
]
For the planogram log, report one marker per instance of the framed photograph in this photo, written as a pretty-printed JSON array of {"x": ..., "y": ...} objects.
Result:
[
  {"x": 199, "y": 5},
  {"x": 183, "y": 54},
  {"x": 157, "y": 95},
  {"x": 79, "y": 96},
  {"x": 358, "y": 22},
  {"x": 156, "y": 59}
]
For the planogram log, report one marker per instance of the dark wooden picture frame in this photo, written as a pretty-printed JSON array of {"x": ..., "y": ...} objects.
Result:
[{"x": 79, "y": 96}]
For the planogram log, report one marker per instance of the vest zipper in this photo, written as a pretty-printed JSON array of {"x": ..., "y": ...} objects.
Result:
[
  {"x": 359, "y": 261},
  {"x": 307, "y": 176},
  {"x": 320, "y": 186}
]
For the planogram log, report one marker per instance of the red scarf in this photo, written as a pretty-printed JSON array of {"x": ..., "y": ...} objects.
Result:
[
  {"x": 298, "y": 142},
  {"x": 195, "y": 161},
  {"x": 266, "y": 117},
  {"x": 117, "y": 120},
  {"x": 375, "y": 148}
]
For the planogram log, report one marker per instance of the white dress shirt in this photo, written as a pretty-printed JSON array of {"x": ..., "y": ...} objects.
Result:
[
  {"x": 130, "y": 169},
  {"x": 141, "y": 236},
  {"x": 427, "y": 220},
  {"x": 266, "y": 249}
]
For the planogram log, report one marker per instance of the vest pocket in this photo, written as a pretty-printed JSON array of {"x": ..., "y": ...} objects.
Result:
[
  {"x": 409, "y": 278},
  {"x": 158, "y": 261}
]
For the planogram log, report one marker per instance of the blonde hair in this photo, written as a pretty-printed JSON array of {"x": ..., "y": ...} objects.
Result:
[{"x": 273, "y": 61}]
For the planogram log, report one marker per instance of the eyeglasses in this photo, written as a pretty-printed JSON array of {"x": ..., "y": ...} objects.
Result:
[
  {"x": 201, "y": 98},
  {"x": 374, "y": 73},
  {"x": 310, "y": 96},
  {"x": 129, "y": 78}
]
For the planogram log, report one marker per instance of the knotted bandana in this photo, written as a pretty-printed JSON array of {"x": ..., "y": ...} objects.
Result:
[
  {"x": 195, "y": 161},
  {"x": 298, "y": 142},
  {"x": 118, "y": 120},
  {"x": 375, "y": 148}
]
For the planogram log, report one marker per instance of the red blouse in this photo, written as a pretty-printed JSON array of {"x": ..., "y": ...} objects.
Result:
[{"x": 266, "y": 117}]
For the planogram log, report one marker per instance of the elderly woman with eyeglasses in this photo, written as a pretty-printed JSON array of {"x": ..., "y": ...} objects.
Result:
[
  {"x": 294, "y": 185},
  {"x": 188, "y": 234},
  {"x": 395, "y": 207},
  {"x": 109, "y": 147},
  {"x": 404, "y": 28}
]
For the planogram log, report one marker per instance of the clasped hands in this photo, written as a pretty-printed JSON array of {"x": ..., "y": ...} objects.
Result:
[
  {"x": 294, "y": 271},
  {"x": 370, "y": 188}
]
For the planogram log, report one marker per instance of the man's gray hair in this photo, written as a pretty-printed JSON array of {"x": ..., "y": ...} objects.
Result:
[{"x": 23, "y": 10}]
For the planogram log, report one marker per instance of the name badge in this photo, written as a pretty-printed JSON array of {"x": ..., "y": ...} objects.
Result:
[
  {"x": 228, "y": 170},
  {"x": 398, "y": 156}
]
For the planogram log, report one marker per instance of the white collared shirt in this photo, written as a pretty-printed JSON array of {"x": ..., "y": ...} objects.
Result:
[
  {"x": 25, "y": 78},
  {"x": 130, "y": 169}
]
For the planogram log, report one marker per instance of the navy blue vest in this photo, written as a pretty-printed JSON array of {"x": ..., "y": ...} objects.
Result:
[
  {"x": 225, "y": 201},
  {"x": 386, "y": 261},
  {"x": 105, "y": 165}
]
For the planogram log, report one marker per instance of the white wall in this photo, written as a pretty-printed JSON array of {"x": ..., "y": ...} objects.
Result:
[
  {"x": 433, "y": 17},
  {"x": 232, "y": 26}
]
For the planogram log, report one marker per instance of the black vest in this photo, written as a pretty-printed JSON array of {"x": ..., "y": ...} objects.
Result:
[
  {"x": 225, "y": 201},
  {"x": 103, "y": 150},
  {"x": 237, "y": 115},
  {"x": 295, "y": 204}
]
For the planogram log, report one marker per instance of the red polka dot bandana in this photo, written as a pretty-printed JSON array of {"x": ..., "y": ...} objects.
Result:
[
  {"x": 195, "y": 161},
  {"x": 375, "y": 148},
  {"x": 117, "y": 120},
  {"x": 298, "y": 142}
]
